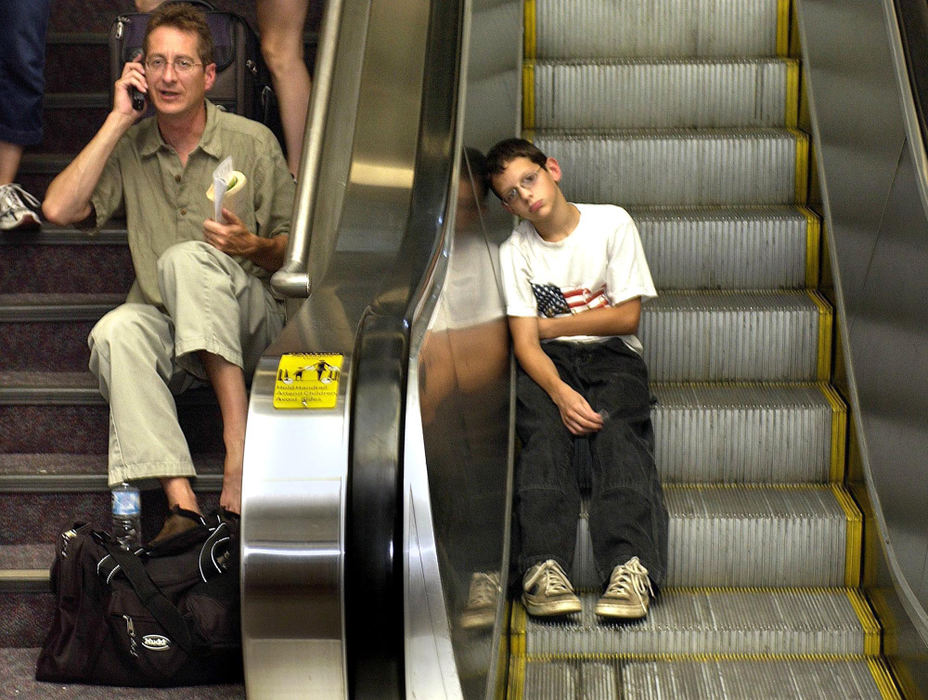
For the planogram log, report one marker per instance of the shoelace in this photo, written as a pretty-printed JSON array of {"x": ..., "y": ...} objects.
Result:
[
  {"x": 484, "y": 590},
  {"x": 12, "y": 196},
  {"x": 555, "y": 580},
  {"x": 631, "y": 576}
]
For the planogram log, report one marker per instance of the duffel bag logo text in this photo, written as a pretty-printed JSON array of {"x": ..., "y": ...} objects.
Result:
[{"x": 155, "y": 642}]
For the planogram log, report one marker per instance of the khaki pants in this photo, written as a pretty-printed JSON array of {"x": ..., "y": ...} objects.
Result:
[{"x": 143, "y": 357}]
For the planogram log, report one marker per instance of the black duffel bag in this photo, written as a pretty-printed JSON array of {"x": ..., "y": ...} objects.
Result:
[{"x": 168, "y": 615}]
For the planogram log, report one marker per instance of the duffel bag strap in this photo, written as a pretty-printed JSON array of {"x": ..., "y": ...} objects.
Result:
[{"x": 162, "y": 609}]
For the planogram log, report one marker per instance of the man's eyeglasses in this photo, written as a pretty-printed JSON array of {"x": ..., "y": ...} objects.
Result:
[
  {"x": 181, "y": 64},
  {"x": 526, "y": 183}
]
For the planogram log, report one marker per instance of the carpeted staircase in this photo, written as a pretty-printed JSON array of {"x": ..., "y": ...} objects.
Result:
[{"x": 54, "y": 284}]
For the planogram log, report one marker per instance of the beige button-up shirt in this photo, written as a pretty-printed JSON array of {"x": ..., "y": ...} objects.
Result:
[{"x": 165, "y": 203}]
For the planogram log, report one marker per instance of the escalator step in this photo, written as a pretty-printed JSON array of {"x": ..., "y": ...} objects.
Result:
[
  {"x": 677, "y": 167},
  {"x": 747, "y": 623},
  {"x": 794, "y": 679},
  {"x": 749, "y": 433},
  {"x": 748, "y": 248},
  {"x": 751, "y": 536},
  {"x": 565, "y": 28},
  {"x": 737, "y": 336},
  {"x": 635, "y": 93}
]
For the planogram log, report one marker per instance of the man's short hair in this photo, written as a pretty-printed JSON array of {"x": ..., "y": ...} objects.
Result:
[
  {"x": 186, "y": 18},
  {"x": 506, "y": 151}
]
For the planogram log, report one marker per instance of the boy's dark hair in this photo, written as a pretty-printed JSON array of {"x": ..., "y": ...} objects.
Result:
[
  {"x": 506, "y": 151},
  {"x": 186, "y": 18}
]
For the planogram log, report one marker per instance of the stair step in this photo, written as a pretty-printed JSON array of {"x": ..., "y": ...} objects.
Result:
[
  {"x": 747, "y": 248},
  {"x": 792, "y": 679},
  {"x": 68, "y": 473},
  {"x": 732, "y": 336},
  {"x": 589, "y": 28},
  {"x": 64, "y": 412},
  {"x": 709, "y": 622},
  {"x": 48, "y": 332},
  {"x": 19, "y": 681},
  {"x": 636, "y": 93},
  {"x": 749, "y": 433},
  {"x": 48, "y": 261},
  {"x": 809, "y": 535},
  {"x": 680, "y": 167},
  {"x": 71, "y": 119}
]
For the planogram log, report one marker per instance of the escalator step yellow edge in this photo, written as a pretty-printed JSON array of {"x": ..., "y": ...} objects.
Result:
[
  {"x": 792, "y": 93},
  {"x": 838, "y": 432},
  {"x": 855, "y": 536},
  {"x": 529, "y": 44},
  {"x": 868, "y": 622},
  {"x": 528, "y": 95},
  {"x": 884, "y": 680},
  {"x": 639, "y": 657},
  {"x": 802, "y": 166},
  {"x": 825, "y": 330},
  {"x": 813, "y": 246},
  {"x": 783, "y": 7}
]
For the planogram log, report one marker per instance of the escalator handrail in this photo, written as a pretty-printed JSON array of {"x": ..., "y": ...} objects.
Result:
[{"x": 292, "y": 279}]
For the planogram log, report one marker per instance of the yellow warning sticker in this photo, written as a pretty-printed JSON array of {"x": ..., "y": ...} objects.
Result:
[{"x": 307, "y": 380}]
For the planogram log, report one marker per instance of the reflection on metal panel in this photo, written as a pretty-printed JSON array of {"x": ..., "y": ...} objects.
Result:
[{"x": 463, "y": 402}]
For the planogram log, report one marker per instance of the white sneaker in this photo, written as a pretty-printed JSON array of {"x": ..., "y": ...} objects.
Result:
[
  {"x": 18, "y": 208},
  {"x": 629, "y": 592},
  {"x": 546, "y": 590}
]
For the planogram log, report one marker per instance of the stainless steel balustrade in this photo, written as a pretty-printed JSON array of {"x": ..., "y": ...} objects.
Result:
[
  {"x": 872, "y": 164},
  {"x": 353, "y": 568}
]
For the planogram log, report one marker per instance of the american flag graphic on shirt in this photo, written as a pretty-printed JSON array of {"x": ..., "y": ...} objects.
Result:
[{"x": 552, "y": 301}]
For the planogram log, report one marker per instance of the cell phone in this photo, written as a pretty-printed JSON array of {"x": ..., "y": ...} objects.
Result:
[{"x": 138, "y": 98}]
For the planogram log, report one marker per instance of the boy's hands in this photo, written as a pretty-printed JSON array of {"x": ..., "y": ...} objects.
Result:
[{"x": 576, "y": 413}]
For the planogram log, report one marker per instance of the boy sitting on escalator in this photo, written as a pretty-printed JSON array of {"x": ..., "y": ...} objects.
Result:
[{"x": 574, "y": 276}]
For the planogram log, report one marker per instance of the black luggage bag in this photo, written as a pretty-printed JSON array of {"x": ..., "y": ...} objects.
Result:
[
  {"x": 168, "y": 615},
  {"x": 242, "y": 84}
]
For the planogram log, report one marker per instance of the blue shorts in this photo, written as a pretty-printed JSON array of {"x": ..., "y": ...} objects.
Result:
[{"x": 22, "y": 69}]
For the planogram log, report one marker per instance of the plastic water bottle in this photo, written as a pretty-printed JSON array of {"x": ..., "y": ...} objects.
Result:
[{"x": 127, "y": 516}]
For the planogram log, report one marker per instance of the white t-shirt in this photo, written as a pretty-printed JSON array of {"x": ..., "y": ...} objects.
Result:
[{"x": 601, "y": 263}]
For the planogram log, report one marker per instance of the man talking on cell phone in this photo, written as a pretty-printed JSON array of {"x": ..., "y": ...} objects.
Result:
[{"x": 200, "y": 310}]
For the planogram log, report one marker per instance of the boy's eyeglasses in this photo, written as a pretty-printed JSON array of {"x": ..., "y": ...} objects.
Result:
[
  {"x": 526, "y": 183},
  {"x": 181, "y": 64}
]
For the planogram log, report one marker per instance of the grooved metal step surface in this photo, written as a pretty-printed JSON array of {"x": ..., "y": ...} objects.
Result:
[
  {"x": 748, "y": 433},
  {"x": 712, "y": 622},
  {"x": 675, "y": 167},
  {"x": 744, "y": 536},
  {"x": 589, "y": 28},
  {"x": 792, "y": 679},
  {"x": 727, "y": 248},
  {"x": 761, "y": 92},
  {"x": 731, "y": 336}
]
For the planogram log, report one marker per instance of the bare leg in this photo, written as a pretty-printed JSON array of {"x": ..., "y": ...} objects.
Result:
[
  {"x": 228, "y": 382},
  {"x": 10, "y": 155},
  {"x": 147, "y": 5},
  {"x": 179, "y": 492},
  {"x": 280, "y": 23}
]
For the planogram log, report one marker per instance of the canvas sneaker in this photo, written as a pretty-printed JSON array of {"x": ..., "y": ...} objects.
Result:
[
  {"x": 546, "y": 590},
  {"x": 629, "y": 592},
  {"x": 482, "y": 598},
  {"x": 17, "y": 208}
]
